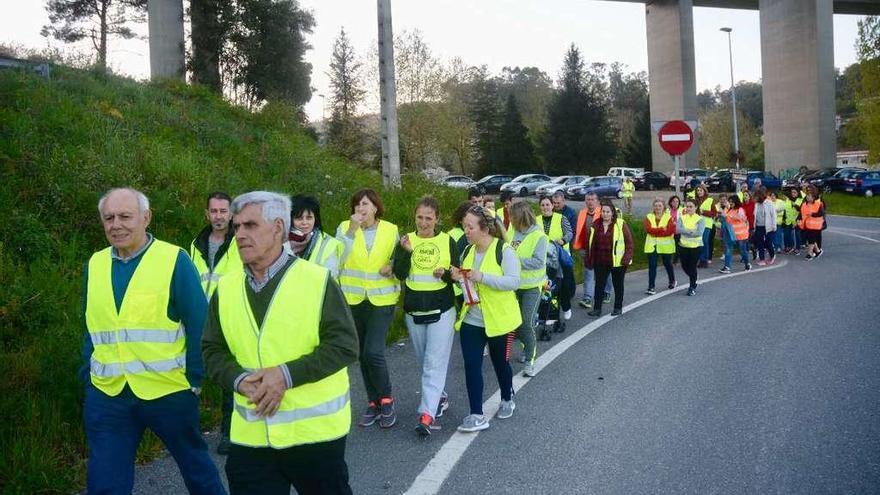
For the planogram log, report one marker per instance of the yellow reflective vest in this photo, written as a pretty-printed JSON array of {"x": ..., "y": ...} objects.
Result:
[
  {"x": 325, "y": 247},
  {"x": 690, "y": 222},
  {"x": 663, "y": 245},
  {"x": 618, "y": 246},
  {"x": 555, "y": 232},
  {"x": 230, "y": 261},
  {"x": 309, "y": 413},
  {"x": 627, "y": 189},
  {"x": 529, "y": 279},
  {"x": 427, "y": 255},
  {"x": 707, "y": 205},
  {"x": 359, "y": 276},
  {"x": 138, "y": 345},
  {"x": 456, "y": 234},
  {"x": 500, "y": 308}
]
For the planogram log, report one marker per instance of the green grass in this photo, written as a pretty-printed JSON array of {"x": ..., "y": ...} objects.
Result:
[
  {"x": 840, "y": 203},
  {"x": 62, "y": 144}
]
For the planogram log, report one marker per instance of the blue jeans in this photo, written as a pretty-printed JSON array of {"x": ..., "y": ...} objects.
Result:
[
  {"x": 473, "y": 340},
  {"x": 706, "y": 251},
  {"x": 114, "y": 427},
  {"x": 788, "y": 237},
  {"x": 589, "y": 282},
  {"x": 777, "y": 239},
  {"x": 652, "y": 268},
  {"x": 798, "y": 237},
  {"x": 743, "y": 251}
]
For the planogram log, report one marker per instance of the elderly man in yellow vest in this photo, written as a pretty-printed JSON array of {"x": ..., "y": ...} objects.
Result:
[
  {"x": 280, "y": 334},
  {"x": 144, "y": 312}
]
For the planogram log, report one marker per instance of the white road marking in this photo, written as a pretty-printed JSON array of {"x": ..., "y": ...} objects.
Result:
[
  {"x": 431, "y": 479},
  {"x": 839, "y": 231}
]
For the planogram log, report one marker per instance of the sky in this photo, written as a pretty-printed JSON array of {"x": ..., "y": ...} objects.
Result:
[{"x": 497, "y": 33}]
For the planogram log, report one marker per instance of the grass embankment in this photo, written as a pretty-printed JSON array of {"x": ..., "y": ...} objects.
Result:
[
  {"x": 841, "y": 203},
  {"x": 62, "y": 144}
]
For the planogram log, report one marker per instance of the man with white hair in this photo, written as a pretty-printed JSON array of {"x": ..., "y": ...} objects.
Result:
[
  {"x": 281, "y": 335},
  {"x": 144, "y": 312}
]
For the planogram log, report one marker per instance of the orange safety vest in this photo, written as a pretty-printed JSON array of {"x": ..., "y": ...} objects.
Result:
[
  {"x": 737, "y": 219},
  {"x": 581, "y": 224},
  {"x": 808, "y": 222}
]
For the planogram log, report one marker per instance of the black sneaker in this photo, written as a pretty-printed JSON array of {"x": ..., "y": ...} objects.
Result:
[
  {"x": 748, "y": 266},
  {"x": 692, "y": 292},
  {"x": 442, "y": 406},
  {"x": 616, "y": 312},
  {"x": 387, "y": 416},
  {"x": 586, "y": 303},
  {"x": 370, "y": 415},
  {"x": 651, "y": 291},
  {"x": 672, "y": 285},
  {"x": 426, "y": 425},
  {"x": 594, "y": 313},
  {"x": 809, "y": 257},
  {"x": 819, "y": 253}
]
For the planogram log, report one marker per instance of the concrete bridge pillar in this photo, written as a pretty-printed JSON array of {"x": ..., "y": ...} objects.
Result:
[
  {"x": 797, "y": 58},
  {"x": 165, "y": 21},
  {"x": 671, "y": 78}
]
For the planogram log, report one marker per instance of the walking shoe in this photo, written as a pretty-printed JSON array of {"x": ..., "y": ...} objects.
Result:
[
  {"x": 748, "y": 266},
  {"x": 672, "y": 285},
  {"x": 650, "y": 291},
  {"x": 607, "y": 298},
  {"x": 724, "y": 269},
  {"x": 529, "y": 369},
  {"x": 442, "y": 406},
  {"x": 387, "y": 417},
  {"x": 586, "y": 303},
  {"x": 616, "y": 312},
  {"x": 819, "y": 253},
  {"x": 506, "y": 409},
  {"x": 594, "y": 313},
  {"x": 223, "y": 446},
  {"x": 426, "y": 424},
  {"x": 771, "y": 260},
  {"x": 809, "y": 257},
  {"x": 761, "y": 263},
  {"x": 692, "y": 292},
  {"x": 370, "y": 415},
  {"x": 566, "y": 315},
  {"x": 473, "y": 422},
  {"x": 796, "y": 252}
]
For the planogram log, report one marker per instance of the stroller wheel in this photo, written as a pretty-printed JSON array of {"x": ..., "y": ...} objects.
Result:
[
  {"x": 559, "y": 327},
  {"x": 545, "y": 333}
]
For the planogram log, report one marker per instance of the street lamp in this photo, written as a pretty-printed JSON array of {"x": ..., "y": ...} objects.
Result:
[{"x": 733, "y": 96}]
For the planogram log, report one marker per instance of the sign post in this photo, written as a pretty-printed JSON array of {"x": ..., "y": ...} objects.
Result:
[{"x": 676, "y": 138}]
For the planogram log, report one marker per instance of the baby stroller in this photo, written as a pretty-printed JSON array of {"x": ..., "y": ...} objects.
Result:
[{"x": 547, "y": 318}]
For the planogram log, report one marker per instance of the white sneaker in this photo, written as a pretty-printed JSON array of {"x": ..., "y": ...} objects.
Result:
[
  {"x": 506, "y": 409},
  {"x": 566, "y": 315},
  {"x": 529, "y": 369},
  {"x": 473, "y": 422}
]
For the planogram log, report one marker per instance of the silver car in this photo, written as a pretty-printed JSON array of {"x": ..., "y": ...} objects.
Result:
[
  {"x": 525, "y": 184},
  {"x": 559, "y": 184}
]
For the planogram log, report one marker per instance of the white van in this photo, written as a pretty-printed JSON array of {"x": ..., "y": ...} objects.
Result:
[{"x": 625, "y": 172}]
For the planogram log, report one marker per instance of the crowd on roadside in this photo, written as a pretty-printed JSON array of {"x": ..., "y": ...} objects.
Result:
[{"x": 158, "y": 318}]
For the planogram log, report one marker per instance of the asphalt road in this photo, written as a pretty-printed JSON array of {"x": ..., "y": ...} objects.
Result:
[{"x": 767, "y": 381}]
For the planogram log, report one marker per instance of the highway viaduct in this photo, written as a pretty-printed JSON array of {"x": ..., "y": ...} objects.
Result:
[{"x": 797, "y": 58}]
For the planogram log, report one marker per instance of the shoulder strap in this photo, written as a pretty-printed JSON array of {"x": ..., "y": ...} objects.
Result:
[{"x": 499, "y": 251}]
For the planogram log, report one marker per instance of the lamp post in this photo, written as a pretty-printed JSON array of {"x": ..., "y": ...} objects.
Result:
[{"x": 733, "y": 96}]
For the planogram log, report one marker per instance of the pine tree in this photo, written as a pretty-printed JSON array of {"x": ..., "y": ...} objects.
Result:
[
  {"x": 515, "y": 151},
  {"x": 211, "y": 22},
  {"x": 484, "y": 109},
  {"x": 345, "y": 134},
  {"x": 637, "y": 151}
]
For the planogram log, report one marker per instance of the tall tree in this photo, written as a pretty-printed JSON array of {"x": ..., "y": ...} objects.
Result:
[
  {"x": 267, "y": 55},
  {"x": 716, "y": 140},
  {"x": 97, "y": 20},
  {"x": 484, "y": 108},
  {"x": 868, "y": 48},
  {"x": 637, "y": 150},
  {"x": 533, "y": 90},
  {"x": 345, "y": 133},
  {"x": 515, "y": 151},
  {"x": 579, "y": 137},
  {"x": 211, "y": 21},
  {"x": 628, "y": 94},
  {"x": 749, "y": 100}
]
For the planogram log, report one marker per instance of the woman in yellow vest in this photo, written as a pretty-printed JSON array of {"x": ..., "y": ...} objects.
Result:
[
  {"x": 558, "y": 229},
  {"x": 611, "y": 252},
  {"x": 735, "y": 225},
  {"x": 307, "y": 240},
  {"x": 422, "y": 261},
  {"x": 490, "y": 271},
  {"x": 690, "y": 228},
  {"x": 659, "y": 243},
  {"x": 706, "y": 208},
  {"x": 779, "y": 205},
  {"x": 531, "y": 247},
  {"x": 372, "y": 293},
  {"x": 626, "y": 192}
]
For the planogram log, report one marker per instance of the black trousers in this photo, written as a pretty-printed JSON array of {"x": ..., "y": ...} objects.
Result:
[
  {"x": 689, "y": 259},
  {"x": 317, "y": 468},
  {"x": 567, "y": 289},
  {"x": 617, "y": 274}
]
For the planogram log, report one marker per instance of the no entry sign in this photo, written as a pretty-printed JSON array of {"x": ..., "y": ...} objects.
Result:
[{"x": 676, "y": 137}]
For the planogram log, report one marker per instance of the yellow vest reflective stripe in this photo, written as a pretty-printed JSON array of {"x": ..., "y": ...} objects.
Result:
[
  {"x": 500, "y": 308},
  {"x": 791, "y": 212},
  {"x": 555, "y": 233},
  {"x": 690, "y": 222},
  {"x": 228, "y": 262},
  {"x": 526, "y": 249},
  {"x": 707, "y": 205},
  {"x": 138, "y": 345},
  {"x": 627, "y": 189},
  {"x": 456, "y": 234},
  {"x": 313, "y": 412},
  {"x": 618, "y": 242},
  {"x": 740, "y": 195},
  {"x": 780, "y": 211},
  {"x": 359, "y": 277},
  {"x": 324, "y": 248},
  {"x": 663, "y": 245},
  {"x": 428, "y": 254}
]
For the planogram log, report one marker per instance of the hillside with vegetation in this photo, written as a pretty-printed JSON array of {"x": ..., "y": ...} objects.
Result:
[{"x": 65, "y": 141}]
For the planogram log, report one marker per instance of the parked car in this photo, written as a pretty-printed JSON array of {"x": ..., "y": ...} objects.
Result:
[
  {"x": 837, "y": 182},
  {"x": 457, "y": 181},
  {"x": 603, "y": 186},
  {"x": 768, "y": 180},
  {"x": 692, "y": 176},
  {"x": 721, "y": 181},
  {"x": 818, "y": 177},
  {"x": 864, "y": 183},
  {"x": 559, "y": 184},
  {"x": 651, "y": 181},
  {"x": 491, "y": 184},
  {"x": 798, "y": 179},
  {"x": 525, "y": 184},
  {"x": 625, "y": 172}
]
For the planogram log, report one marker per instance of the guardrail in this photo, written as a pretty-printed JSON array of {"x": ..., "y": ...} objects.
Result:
[{"x": 41, "y": 68}]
